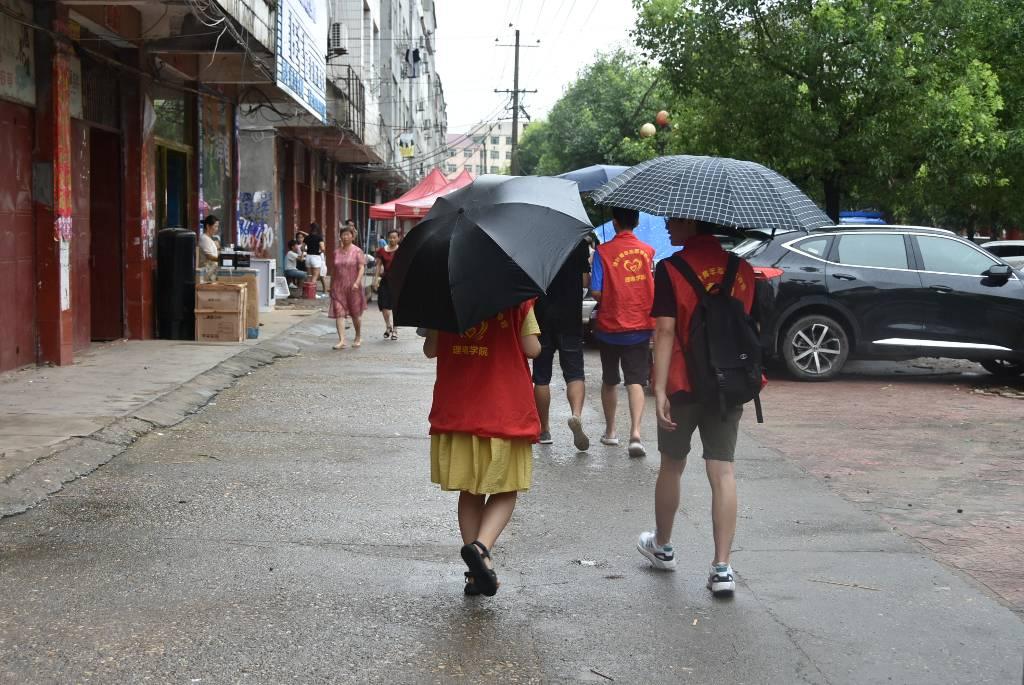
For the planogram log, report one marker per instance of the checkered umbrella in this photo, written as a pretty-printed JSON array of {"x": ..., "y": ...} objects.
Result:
[{"x": 719, "y": 190}]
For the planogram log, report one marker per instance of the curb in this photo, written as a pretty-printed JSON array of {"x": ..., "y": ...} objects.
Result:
[{"x": 80, "y": 455}]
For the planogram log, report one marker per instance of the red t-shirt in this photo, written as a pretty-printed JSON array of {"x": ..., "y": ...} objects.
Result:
[
  {"x": 385, "y": 258},
  {"x": 674, "y": 297}
]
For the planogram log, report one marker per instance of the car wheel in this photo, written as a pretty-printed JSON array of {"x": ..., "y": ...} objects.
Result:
[
  {"x": 815, "y": 348},
  {"x": 1004, "y": 368}
]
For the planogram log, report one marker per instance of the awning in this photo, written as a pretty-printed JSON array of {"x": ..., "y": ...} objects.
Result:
[
  {"x": 433, "y": 182},
  {"x": 415, "y": 209}
]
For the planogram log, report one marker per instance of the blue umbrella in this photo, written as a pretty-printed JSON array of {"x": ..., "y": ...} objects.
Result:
[
  {"x": 650, "y": 230},
  {"x": 593, "y": 177}
]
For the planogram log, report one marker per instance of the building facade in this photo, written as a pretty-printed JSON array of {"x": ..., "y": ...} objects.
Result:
[
  {"x": 120, "y": 120},
  {"x": 485, "y": 149}
]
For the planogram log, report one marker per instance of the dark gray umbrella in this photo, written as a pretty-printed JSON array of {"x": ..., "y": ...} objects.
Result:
[
  {"x": 719, "y": 190},
  {"x": 485, "y": 248}
]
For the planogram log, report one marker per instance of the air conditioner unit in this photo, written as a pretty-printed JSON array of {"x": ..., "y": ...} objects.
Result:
[{"x": 337, "y": 39}]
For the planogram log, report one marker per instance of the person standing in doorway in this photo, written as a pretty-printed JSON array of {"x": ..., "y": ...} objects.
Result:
[
  {"x": 559, "y": 313},
  {"x": 483, "y": 423},
  {"x": 679, "y": 412},
  {"x": 623, "y": 284},
  {"x": 347, "y": 296},
  {"x": 207, "y": 250},
  {"x": 380, "y": 282},
  {"x": 315, "y": 256}
]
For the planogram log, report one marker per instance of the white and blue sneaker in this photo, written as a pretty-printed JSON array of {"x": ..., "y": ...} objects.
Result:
[
  {"x": 660, "y": 556},
  {"x": 722, "y": 581}
]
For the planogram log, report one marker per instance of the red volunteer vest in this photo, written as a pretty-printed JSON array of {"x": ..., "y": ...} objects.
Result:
[
  {"x": 483, "y": 384},
  {"x": 627, "y": 292},
  {"x": 708, "y": 260}
]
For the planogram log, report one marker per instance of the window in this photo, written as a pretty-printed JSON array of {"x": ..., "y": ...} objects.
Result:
[
  {"x": 508, "y": 140},
  {"x": 495, "y": 154},
  {"x": 479, "y": 168},
  {"x": 508, "y": 155},
  {"x": 883, "y": 251},
  {"x": 450, "y": 168},
  {"x": 477, "y": 140},
  {"x": 813, "y": 246},
  {"x": 951, "y": 256},
  {"x": 494, "y": 169},
  {"x": 453, "y": 152},
  {"x": 495, "y": 140},
  {"x": 467, "y": 153}
]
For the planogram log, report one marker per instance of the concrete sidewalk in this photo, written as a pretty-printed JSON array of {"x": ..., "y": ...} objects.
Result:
[{"x": 58, "y": 423}]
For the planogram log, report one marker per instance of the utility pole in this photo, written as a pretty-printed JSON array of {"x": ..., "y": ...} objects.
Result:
[{"x": 514, "y": 167}]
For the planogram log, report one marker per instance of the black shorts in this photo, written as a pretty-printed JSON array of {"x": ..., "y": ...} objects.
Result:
[
  {"x": 635, "y": 361},
  {"x": 718, "y": 436},
  {"x": 384, "y": 295},
  {"x": 570, "y": 357}
]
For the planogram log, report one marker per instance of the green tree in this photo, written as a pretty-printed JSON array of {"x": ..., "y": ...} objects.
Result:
[
  {"x": 596, "y": 120},
  {"x": 883, "y": 100}
]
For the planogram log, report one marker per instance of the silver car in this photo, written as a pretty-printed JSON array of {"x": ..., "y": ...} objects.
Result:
[{"x": 1010, "y": 251}]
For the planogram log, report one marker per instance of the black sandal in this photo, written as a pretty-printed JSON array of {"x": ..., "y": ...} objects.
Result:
[
  {"x": 470, "y": 588},
  {"x": 485, "y": 579},
  {"x": 387, "y": 334},
  {"x": 394, "y": 334}
]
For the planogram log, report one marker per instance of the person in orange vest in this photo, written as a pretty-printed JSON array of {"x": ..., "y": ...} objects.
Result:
[
  {"x": 622, "y": 282},
  {"x": 680, "y": 413},
  {"x": 483, "y": 423}
]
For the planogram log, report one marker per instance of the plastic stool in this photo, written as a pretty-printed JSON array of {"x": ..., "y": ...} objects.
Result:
[{"x": 309, "y": 290}]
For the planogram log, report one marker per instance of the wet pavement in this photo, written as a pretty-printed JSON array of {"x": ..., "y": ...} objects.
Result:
[{"x": 288, "y": 532}]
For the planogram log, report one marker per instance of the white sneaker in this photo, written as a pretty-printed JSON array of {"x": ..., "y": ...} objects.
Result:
[
  {"x": 660, "y": 556},
  {"x": 722, "y": 581}
]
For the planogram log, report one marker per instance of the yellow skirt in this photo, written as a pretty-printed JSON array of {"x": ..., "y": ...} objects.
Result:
[{"x": 482, "y": 466}]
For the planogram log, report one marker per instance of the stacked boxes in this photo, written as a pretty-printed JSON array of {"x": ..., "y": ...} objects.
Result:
[
  {"x": 220, "y": 312},
  {"x": 252, "y": 304}
]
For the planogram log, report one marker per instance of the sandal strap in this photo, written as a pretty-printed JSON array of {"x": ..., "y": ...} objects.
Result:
[{"x": 484, "y": 552}]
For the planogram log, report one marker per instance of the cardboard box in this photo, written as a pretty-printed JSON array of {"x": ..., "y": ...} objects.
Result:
[
  {"x": 214, "y": 326},
  {"x": 252, "y": 297},
  {"x": 221, "y": 297}
]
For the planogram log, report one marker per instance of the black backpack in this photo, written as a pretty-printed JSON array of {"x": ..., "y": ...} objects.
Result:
[{"x": 723, "y": 357}]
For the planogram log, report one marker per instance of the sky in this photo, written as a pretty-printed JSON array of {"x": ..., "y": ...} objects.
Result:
[{"x": 471, "y": 67}]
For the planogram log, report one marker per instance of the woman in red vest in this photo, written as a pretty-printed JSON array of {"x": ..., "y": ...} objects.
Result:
[{"x": 483, "y": 423}]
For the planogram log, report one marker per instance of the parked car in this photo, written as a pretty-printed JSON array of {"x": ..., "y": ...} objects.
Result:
[
  {"x": 884, "y": 292},
  {"x": 1010, "y": 251}
]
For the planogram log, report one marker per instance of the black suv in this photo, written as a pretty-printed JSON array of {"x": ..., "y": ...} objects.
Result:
[{"x": 884, "y": 292}]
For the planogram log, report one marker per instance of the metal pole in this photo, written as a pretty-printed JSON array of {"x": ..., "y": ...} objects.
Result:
[{"x": 514, "y": 166}]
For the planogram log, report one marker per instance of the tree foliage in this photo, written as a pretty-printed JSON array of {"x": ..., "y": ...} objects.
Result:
[
  {"x": 596, "y": 120},
  {"x": 893, "y": 103}
]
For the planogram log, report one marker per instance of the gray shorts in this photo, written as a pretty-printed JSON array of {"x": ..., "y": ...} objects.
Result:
[{"x": 717, "y": 435}]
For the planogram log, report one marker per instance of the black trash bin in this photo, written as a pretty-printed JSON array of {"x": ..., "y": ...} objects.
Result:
[{"x": 176, "y": 284}]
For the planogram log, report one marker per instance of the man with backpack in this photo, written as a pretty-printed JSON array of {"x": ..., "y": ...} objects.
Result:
[{"x": 707, "y": 364}]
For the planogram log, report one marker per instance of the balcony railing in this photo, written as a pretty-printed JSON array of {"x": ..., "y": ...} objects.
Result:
[{"x": 349, "y": 105}]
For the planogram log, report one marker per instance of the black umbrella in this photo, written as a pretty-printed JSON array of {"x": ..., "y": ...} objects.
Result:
[
  {"x": 485, "y": 248},
  {"x": 719, "y": 190}
]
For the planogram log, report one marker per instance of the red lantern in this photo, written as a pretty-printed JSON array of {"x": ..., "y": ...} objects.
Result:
[{"x": 661, "y": 119}]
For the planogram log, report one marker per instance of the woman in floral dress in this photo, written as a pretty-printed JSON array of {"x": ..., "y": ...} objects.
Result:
[{"x": 347, "y": 296}]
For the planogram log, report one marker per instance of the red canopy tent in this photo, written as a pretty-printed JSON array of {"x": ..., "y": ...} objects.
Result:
[
  {"x": 415, "y": 209},
  {"x": 433, "y": 182}
]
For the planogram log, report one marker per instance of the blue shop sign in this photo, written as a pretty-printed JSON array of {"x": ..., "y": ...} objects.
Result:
[{"x": 302, "y": 53}]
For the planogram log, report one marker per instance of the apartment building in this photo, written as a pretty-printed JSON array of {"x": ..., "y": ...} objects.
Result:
[{"x": 485, "y": 149}]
